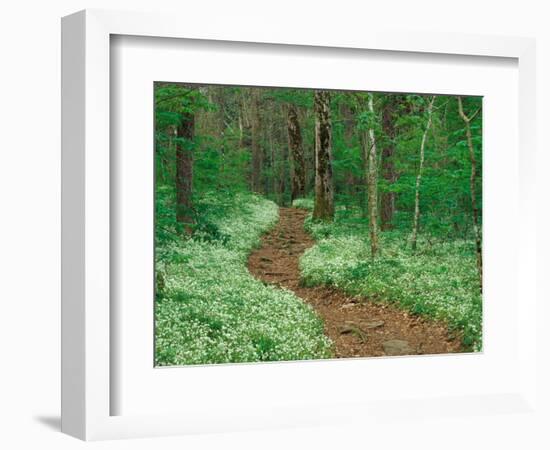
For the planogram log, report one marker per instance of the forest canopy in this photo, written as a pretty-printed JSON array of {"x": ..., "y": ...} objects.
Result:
[{"x": 393, "y": 188}]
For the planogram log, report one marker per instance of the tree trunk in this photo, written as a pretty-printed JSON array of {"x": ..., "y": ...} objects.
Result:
[
  {"x": 297, "y": 153},
  {"x": 347, "y": 118},
  {"x": 364, "y": 191},
  {"x": 283, "y": 156},
  {"x": 184, "y": 170},
  {"x": 324, "y": 189},
  {"x": 274, "y": 184},
  {"x": 241, "y": 128},
  {"x": 372, "y": 183},
  {"x": 387, "y": 200},
  {"x": 475, "y": 220},
  {"x": 349, "y": 123},
  {"x": 220, "y": 125},
  {"x": 255, "y": 144},
  {"x": 419, "y": 175}
]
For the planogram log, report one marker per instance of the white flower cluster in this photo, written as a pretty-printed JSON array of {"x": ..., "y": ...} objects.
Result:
[
  {"x": 439, "y": 281},
  {"x": 213, "y": 311},
  {"x": 305, "y": 203}
]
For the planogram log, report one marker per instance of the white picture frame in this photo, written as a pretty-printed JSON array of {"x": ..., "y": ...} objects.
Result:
[{"x": 87, "y": 385}]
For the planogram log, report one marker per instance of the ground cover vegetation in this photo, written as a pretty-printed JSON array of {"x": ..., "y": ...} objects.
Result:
[{"x": 393, "y": 186}]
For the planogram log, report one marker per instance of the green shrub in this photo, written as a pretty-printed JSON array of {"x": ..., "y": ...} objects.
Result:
[{"x": 305, "y": 203}]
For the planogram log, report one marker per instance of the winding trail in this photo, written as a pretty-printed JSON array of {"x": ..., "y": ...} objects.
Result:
[{"x": 357, "y": 327}]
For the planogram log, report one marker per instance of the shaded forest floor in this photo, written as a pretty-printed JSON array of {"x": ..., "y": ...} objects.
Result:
[
  {"x": 210, "y": 309},
  {"x": 357, "y": 326}
]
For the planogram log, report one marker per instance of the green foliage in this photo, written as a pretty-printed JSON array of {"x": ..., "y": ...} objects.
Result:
[
  {"x": 304, "y": 203},
  {"x": 213, "y": 311},
  {"x": 440, "y": 281},
  {"x": 210, "y": 309},
  {"x": 298, "y": 97}
]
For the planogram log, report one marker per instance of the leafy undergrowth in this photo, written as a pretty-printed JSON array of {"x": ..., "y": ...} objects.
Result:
[
  {"x": 211, "y": 310},
  {"x": 305, "y": 203},
  {"x": 439, "y": 280}
]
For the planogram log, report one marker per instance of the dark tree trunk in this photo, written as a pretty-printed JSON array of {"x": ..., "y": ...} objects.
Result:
[
  {"x": 221, "y": 135},
  {"x": 273, "y": 161},
  {"x": 475, "y": 221},
  {"x": 282, "y": 175},
  {"x": 184, "y": 170},
  {"x": 256, "y": 148},
  {"x": 349, "y": 123},
  {"x": 387, "y": 199},
  {"x": 324, "y": 189},
  {"x": 296, "y": 153},
  {"x": 348, "y": 119}
]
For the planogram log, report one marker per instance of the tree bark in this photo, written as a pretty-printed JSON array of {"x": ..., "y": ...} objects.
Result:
[
  {"x": 324, "y": 189},
  {"x": 220, "y": 129},
  {"x": 184, "y": 170},
  {"x": 387, "y": 200},
  {"x": 353, "y": 184},
  {"x": 283, "y": 156},
  {"x": 372, "y": 183},
  {"x": 364, "y": 191},
  {"x": 419, "y": 175},
  {"x": 349, "y": 123},
  {"x": 274, "y": 184},
  {"x": 475, "y": 221},
  {"x": 241, "y": 131},
  {"x": 255, "y": 144},
  {"x": 297, "y": 153}
]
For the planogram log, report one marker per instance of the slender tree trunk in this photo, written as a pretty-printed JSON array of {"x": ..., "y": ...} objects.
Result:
[
  {"x": 241, "y": 131},
  {"x": 419, "y": 175},
  {"x": 475, "y": 213},
  {"x": 283, "y": 156},
  {"x": 310, "y": 155},
  {"x": 297, "y": 153},
  {"x": 387, "y": 200},
  {"x": 324, "y": 189},
  {"x": 184, "y": 170},
  {"x": 349, "y": 123},
  {"x": 372, "y": 183},
  {"x": 244, "y": 121},
  {"x": 273, "y": 162},
  {"x": 364, "y": 191},
  {"x": 256, "y": 148},
  {"x": 221, "y": 134}
]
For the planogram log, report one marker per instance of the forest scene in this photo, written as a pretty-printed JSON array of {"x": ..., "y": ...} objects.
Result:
[{"x": 299, "y": 224}]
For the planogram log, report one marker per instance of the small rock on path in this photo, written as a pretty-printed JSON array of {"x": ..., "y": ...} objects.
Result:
[{"x": 397, "y": 347}]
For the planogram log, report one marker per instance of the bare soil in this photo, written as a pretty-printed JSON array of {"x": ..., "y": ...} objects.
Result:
[{"x": 358, "y": 326}]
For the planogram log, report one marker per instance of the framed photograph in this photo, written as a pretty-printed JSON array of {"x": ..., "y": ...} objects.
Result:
[{"x": 253, "y": 219}]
